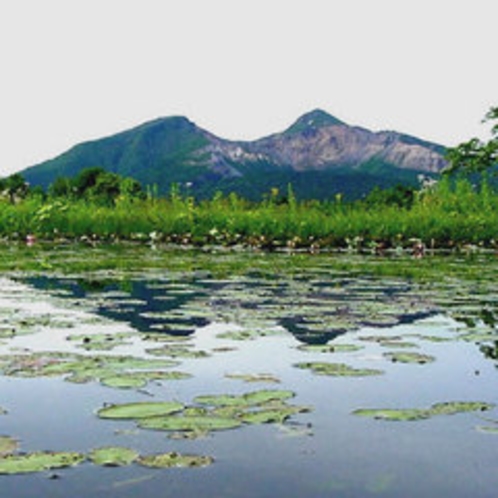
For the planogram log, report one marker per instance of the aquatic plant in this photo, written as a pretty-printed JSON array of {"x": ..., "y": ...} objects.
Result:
[
  {"x": 130, "y": 380},
  {"x": 190, "y": 423},
  {"x": 329, "y": 348},
  {"x": 140, "y": 410},
  {"x": 38, "y": 461},
  {"x": 173, "y": 459},
  {"x": 411, "y": 414},
  {"x": 113, "y": 456},
  {"x": 254, "y": 398},
  {"x": 409, "y": 357},
  {"x": 337, "y": 369},
  {"x": 262, "y": 377}
]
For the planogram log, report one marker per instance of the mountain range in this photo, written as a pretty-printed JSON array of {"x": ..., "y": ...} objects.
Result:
[{"x": 319, "y": 155}]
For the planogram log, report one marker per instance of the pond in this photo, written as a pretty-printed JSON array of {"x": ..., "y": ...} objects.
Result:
[{"x": 139, "y": 371}]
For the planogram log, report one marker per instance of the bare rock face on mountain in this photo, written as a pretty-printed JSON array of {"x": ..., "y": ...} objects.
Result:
[
  {"x": 315, "y": 143},
  {"x": 318, "y": 155}
]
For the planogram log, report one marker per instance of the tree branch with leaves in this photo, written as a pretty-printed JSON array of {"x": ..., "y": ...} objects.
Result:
[{"x": 475, "y": 155}]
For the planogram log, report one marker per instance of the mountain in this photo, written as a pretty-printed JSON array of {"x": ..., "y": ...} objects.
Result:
[{"x": 319, "y": 155}]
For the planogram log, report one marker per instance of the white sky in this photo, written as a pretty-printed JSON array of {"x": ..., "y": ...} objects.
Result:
[{"x": 75, "y": 70}]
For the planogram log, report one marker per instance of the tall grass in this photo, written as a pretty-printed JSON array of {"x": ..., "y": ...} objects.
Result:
[{"x": 453, "y": 213}]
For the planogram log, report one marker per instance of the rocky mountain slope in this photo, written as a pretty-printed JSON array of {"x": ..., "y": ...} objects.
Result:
[{"x": 319, "y": 155}]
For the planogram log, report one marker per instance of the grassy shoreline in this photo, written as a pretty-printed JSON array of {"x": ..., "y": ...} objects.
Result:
[{"x": 452, "y": 215}]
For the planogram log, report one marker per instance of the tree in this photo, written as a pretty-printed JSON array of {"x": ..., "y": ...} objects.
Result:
[
  {"x": 97, "y": 185},
  {"x": 106, "y": 188},
  {"x": 86, "y": 179},
  {"x": 62, "y": 186},
  {"x": 130, "y": 189},
  {"x": 14, "y": 187},
  {"x": 476, "y": 155}
]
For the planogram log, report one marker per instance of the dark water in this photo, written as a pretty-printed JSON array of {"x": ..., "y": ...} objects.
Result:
[{"x": 328, "y": 451}]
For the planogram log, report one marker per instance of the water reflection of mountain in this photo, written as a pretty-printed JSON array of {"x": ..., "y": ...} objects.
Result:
[
  {"x": 315, "y": 309},
  {"x": 146, "y": 307}
]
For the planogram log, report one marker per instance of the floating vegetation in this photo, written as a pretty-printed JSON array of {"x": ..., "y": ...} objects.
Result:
[
  {"x": 190, "y": 423},
  {"x": 274, "y": 414},
  {"x": 487, "y": 429},
  {"x": 409, "y": 357},
  {"x": 337, "y": 369},
  {"x": 329, "y": 348},
  {"x": 245, "y": 400},
  {"x": 447, "y": 408},
  {"x": 112, "y": 371},
  {"x": 173, "y": 459},
  {"x": 479, "y": 337},
  {"x": 131, "y": 380},
  {"x": 101, "y": 342},
  {"x": 394, "y": 414},
  {"x": 38, "y": 462},
  {"x": 165, "y": 337},
  {"x": 140, "y": 410},
  {"x": 113, "y": 456},
  {"x": 381, "y": 339},
  {"x": 216, "y": 413},
  {"x": 262, "y": 377},
  {"x": 177, "y": 351},
  {"x": 432, "y": 338},
  {"x": 8, "y": 445},
  {"x": 398, "y": 344}
]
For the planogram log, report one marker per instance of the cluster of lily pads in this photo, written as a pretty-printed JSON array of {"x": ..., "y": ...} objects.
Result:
[
  {"x": 411, "y": 414},
  {"x": 207, "y": 413},
  {"x": 12, "y": 462},
  {"x": 111, "y": 371}
]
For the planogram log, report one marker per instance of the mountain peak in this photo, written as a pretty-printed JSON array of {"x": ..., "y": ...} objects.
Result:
[{"x": 316, "y": 118}]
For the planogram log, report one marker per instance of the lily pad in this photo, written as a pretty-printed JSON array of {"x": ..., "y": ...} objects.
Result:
[
  {"x": 337, "y": 369},
  {"x": 101, "y": 342},
  {"x": 177, "y": 351},
  {"x": 479, "y": 337},
  {"x": 393, "y": 414},
  {"x": 263, "y": 377},
  {"x": 113, "y": 456},
  {"x": 131, "y": 380},
  {"x": 173, "y": 459},
  {"x": 487, "y": 429},
  {"x": 452, "y": 407},
  {"x": 448, "y": 408},
  {"x": 38, "y": 462},
  {"x": 409, "y": 357},
  {"x": 8, "y": 445},
  {"x": 248, "y": 399},
  {"x": 140, "y": 410},
  {"x": 277, "y": 414},
  {"x": 189, "y": 423},
  {"x": 239, "y": 335},
  {"x": 329, "y": 348},
  {"x": 398, "y": 344}
]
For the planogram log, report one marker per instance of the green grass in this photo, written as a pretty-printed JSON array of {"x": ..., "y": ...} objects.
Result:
[{"x": 453, "y": 214}]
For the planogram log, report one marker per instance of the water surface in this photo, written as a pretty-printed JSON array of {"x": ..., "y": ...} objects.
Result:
[{"x": 230, "y": 316}]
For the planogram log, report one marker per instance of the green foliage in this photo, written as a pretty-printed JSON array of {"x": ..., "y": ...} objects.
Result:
[
  {"x": 476, "y": 155},
  {"x": 451, "y": 213},
  {"x": 97, "y": 185},
  {"x": 14, "y": 188},
  {"x": 400, "y": 195}
]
